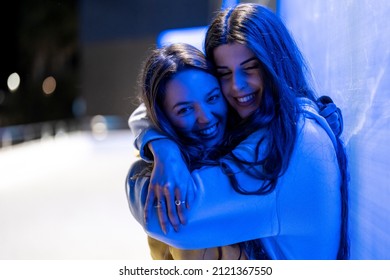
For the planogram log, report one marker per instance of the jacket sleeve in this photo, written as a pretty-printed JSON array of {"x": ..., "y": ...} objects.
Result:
[
  {"x": 143, "y": 132},
  {"x": 137, "y": 190},
  {"x": 218, "y": 211},
  {"x": 219, "y": 215}
]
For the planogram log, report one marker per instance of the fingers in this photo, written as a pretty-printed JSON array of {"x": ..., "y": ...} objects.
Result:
[
  {"x": 171, "y": 200},
  {"x": 180, "y": 206},
  {"x": 169, "y": 180},
  {"x": 156, "y": 202},
  {"x": 149, "y": 205},
  {"x": 161, "y": 198},
  {"x": 172, "y": 212},
  {"x": 161, "y": 213}
]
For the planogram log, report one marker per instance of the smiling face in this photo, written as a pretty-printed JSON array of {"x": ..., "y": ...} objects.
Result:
[
  {"x": 195, "y": 106},
  {"x": 241, "y": 77}
]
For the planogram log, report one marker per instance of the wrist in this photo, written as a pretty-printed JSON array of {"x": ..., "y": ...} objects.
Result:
[{"x": 163, "y": 147}]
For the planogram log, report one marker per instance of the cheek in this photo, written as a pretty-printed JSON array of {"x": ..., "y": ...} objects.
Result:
[
  {"x": 181, "y": 124},
  {"x": 221, "y": 107},
  {"x": 224, "y": 109},
  {"x": 177, "y": 123},
  {"x": 225, "y": 87},
  {"x": 258, "y": 80}
]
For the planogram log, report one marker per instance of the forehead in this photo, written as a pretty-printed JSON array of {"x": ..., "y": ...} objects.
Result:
[
  {"x": 232, "y": 54},
  {"x": 190, "y": 85}
]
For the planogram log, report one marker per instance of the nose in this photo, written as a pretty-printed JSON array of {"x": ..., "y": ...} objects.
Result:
[
  {"x": 203, "y": 115},
  {"x": 239, "y": 81}
]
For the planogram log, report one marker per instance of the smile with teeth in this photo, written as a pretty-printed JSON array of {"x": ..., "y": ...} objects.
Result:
[
  {"x": 208, "y": 131},
  {"x": 246, "y": 98}
]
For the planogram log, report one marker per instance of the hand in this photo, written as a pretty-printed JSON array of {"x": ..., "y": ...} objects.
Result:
[
  {"x": 332, "y": 114},
  {"x": 171, "y": 188}
]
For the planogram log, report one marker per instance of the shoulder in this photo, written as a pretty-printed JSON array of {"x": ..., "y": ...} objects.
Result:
[
  {"x": 310, "y": 110},
  {"x": 313, "y": 166},
  {"x": 313, "y": 140}
]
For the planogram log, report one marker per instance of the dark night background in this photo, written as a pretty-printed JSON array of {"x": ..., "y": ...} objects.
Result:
[{"x": 93, "y": 50}]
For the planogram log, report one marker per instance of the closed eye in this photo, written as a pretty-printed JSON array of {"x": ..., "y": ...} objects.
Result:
[
  {"x": 222, "y": 74},
  {"x": 252, "y": 67}
]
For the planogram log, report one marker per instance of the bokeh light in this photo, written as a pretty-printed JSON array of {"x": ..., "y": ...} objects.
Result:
[
  {"x": 99, "y": 127},
  {"x": 13, "y": 82},
  {"x": 49, "y": 85}
]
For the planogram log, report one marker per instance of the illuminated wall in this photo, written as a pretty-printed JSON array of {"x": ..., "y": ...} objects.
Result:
[{"x": 347, "y": 45}]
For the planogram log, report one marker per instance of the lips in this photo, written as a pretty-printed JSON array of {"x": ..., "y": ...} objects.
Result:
[
  {"x": 245, "y": 99},
  {"x": 208, "y": 131}
]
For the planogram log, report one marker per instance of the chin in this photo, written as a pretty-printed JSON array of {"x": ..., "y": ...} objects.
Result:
[
  {"x": 212, "y": 143},
  {"x": 246, "y": 113}
]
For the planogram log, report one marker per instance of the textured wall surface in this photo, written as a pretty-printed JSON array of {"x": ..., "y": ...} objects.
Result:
[{"x": 347, "y": 46}]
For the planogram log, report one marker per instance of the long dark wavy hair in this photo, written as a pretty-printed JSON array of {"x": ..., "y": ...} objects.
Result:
[{"x": 286, "y": 78}]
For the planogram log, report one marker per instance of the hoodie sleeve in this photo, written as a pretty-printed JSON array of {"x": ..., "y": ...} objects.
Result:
[
  {"x": 218, "y": 210},
  {"x": 143, "y": 132}
]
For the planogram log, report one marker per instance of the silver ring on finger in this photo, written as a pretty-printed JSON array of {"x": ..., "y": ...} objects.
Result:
[
  {"x": 159, "y": 204},
  {"x": 179, "y": 202}
]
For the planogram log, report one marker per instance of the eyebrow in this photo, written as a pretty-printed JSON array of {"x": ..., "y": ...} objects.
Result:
[
  {"x": 180, "y": 104},
  {"x": 242, "y": 63}
]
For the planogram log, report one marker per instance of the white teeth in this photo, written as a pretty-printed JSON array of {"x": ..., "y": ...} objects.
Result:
[
  {"x": 209, "y": 130},
  {"x": 245, "y": 98}
]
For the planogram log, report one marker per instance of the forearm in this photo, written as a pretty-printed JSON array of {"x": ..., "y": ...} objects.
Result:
[
  {"x": 143, "y": 132},
  {"x": 217, "y": 208},
  {"x": 219, "y": 216}
]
